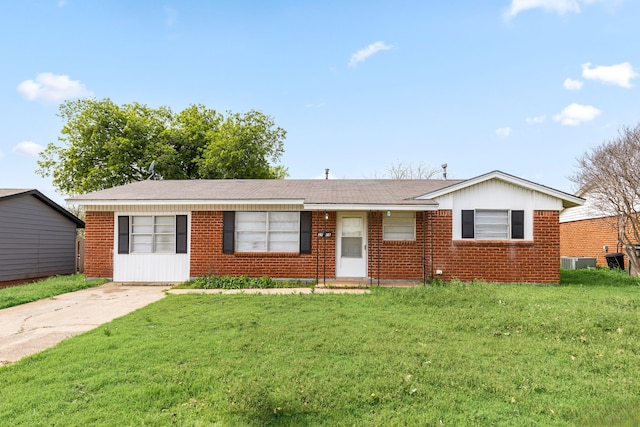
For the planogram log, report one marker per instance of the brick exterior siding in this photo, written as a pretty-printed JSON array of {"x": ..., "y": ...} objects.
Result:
[
  {"x": 207, "y": 257},
  {"x": 433, "y": 249},
  {"x": 98, "y": 249},
  {"x": 500, "y": 261},
  {"x": 587, "y": 237}
]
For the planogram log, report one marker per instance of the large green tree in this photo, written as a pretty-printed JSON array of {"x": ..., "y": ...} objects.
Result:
[{"x": 103, "y": 145}]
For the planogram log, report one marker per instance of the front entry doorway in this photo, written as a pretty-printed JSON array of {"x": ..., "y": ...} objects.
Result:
[{"x": 351, "y": 245}]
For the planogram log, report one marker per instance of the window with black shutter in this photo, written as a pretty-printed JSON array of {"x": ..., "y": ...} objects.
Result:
[
  {"x": 228, "y": 231},
  {"x": 305, "y": 232},
  {"x": 181, "y": 234},
  {"x": 123, "y": 234},
  {"x": 517, "y": 224},
  {"x": 467, "y": 224}
]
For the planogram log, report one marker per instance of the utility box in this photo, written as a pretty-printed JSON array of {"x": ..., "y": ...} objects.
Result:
[
  {"x": 615, "y": 260},
  {"x": 577, "y": 262}
]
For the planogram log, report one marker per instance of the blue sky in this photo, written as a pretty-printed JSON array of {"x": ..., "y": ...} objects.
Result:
[{"x": 523, "y": 86}]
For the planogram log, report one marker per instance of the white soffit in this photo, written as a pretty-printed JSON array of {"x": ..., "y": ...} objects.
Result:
[
  {"x": 121, "y": 202},
  {"x": 369, "y": 207}
]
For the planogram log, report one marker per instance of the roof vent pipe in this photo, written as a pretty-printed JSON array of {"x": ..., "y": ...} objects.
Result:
[
  {"x": 326, "y": 173},
  {"x": 444, "y": 171}
]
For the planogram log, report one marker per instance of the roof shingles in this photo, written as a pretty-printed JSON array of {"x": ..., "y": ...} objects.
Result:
[{"x": 311, "y": 191}]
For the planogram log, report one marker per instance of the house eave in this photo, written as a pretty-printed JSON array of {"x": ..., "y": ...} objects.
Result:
[
  {"x": 211, "y": 203},
  {"x": 369, "y": 207}
]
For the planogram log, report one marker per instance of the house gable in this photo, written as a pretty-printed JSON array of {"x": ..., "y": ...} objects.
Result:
[
  {"x": 517, "y": 198},
  {"x": 566, "y": 200}
]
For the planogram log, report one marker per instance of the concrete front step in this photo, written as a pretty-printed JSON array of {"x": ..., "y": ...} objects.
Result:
[{"x": 366, "y": 283}]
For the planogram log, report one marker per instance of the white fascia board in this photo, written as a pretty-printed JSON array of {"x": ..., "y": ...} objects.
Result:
[
  {"x": 357, "y": 207},
  {"x": 121, "y": 202},
  {"x": 565, "y": 197}
]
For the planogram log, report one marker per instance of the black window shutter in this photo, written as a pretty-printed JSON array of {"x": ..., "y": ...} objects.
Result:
[
  {"x": 517, "y": 224},
  {"x": 181, "y": 234},
  {"x": 467, "y": 224},
  {"x": 305, "y": 232},
  {"x": 228, "y": 231},
  {"x": 123, "y": 234}
]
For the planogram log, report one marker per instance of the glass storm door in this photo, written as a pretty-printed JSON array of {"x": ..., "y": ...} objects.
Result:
[{"x": 351, "y": 247}]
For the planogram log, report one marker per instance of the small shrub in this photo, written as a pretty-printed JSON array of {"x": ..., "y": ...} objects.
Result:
[{"x": 242, "y": 282}]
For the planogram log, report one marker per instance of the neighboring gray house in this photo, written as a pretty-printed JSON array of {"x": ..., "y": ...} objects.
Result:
[{"x": 37, "y": 236}]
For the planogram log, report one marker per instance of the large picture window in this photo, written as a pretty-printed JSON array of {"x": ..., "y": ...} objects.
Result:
[
  {"x": 267, "y": 232},
  {"x": 492, "y": 224},
  {"x": 153, "y": 234},
  {"x": 146, "y": 234},
  {"x": 399, "y": 226}
]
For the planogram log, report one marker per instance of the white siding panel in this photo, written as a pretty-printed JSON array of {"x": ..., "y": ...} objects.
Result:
[
  {"x": 587, "y": 211},
  {"x": 151, "y": 268},
  {"x": 154, "y": 267},
  {"x": 495, "y": 194}
]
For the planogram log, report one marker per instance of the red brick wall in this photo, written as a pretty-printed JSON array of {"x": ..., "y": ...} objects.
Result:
[
  {"x": 500, "y": 261},
  {"x": 98, "y": 249},
  {"x": 587, "y": 237},
  {"x": 464, "y": 260},
  {"x": 401, "y": 260},
  {"x": 207, "y": 257}
]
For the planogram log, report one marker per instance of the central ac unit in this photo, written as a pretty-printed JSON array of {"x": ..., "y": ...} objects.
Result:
[{"x": 577, "y": 262}]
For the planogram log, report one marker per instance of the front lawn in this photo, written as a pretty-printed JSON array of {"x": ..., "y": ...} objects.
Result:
[
  {"x": 456, "y": 354},
  {"x": 47, "y": 288}
]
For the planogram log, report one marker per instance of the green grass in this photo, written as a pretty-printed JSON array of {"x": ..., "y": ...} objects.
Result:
[
  {"x": 47, "y": 288},
  {"x": 457, "y": 354},
  {"x": 598, "y": 277}
]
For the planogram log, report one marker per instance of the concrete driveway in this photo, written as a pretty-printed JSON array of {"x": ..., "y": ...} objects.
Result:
[{"x": 29, "y": 328}]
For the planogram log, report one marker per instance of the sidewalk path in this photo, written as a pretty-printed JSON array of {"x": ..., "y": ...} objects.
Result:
[{"x": 29, "y": 328}]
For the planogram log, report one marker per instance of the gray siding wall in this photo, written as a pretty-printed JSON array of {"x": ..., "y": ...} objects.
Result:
[{"x": 35, "y": 240}]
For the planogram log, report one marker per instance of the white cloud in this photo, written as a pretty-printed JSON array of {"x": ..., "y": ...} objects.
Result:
[
  {"x": 619, "y": 74},
  {"x": 503, "y": 132},
  {"x": 170, "y": 16},
  {"x": 570, "y": 84},
  {"x": 363, "y": 54},
  {"x": 324, "y": 176},
  {"x": 560, "y": 7},
  {"x": 575, "y": 114},
  {"x": 536, "y": 119},
  {"x": 51, "y": 87},
  {"x": 28, "y": 148}
]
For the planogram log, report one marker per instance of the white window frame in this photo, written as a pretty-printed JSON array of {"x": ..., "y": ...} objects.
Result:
[
  {"x": 157, "y": 234},
  {"x": 487, "y": 225},
  {"x": 394, "y": 221},
  {"x": 266, "y": 232}
]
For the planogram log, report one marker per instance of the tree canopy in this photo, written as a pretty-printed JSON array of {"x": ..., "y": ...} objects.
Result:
[
  {"x": 609, "y": 175},
  {"x": 104, "y": 145}
]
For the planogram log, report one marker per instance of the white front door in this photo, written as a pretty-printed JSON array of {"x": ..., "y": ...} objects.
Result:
[{"x": 351, "y": 245}]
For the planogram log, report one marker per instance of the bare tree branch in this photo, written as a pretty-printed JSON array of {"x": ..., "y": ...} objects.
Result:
[{"x": 609, "y": 174}]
